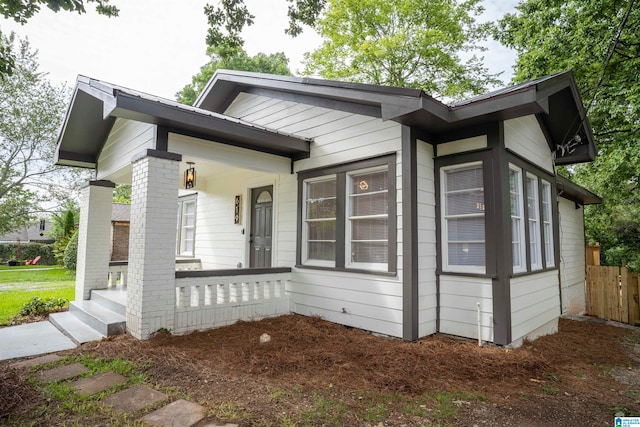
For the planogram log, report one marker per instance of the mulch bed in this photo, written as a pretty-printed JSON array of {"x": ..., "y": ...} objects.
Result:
[{"x": 559, "y": 376}]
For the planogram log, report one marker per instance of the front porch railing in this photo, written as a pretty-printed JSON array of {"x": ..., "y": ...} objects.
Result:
[
  {"x": 212, "y": 298},
  {"x": 117, "y": 274}
]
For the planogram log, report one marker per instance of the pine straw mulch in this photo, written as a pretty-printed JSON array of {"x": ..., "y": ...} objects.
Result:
[{"x": 557, "y": 377}]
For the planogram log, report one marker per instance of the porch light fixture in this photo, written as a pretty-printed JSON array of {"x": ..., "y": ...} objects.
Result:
[{"x": 190, "y": 176}]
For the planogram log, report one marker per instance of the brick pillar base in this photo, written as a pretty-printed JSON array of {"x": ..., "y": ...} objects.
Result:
[
  {"x": 94, "y": 238},
  {"x": 151, "y": 292}
]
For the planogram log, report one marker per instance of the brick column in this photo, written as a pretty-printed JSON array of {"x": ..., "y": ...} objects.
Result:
[
  {"x": 151, "y": 292},
  {"x": 94, "y": 238}
]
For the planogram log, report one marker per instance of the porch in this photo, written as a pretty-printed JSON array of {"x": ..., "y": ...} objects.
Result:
[{"x": 204, "y": 299}]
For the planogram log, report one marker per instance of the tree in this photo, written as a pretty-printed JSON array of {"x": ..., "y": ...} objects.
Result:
[
  {"x": 408, "y": 43},
  {"x": 23, "y": 10},
  {"x": 275, "y": 63},
  {"x": 600, "y": 42},
  {"x": 32, "y": 109},
  {"x": 122, "y": 194}
]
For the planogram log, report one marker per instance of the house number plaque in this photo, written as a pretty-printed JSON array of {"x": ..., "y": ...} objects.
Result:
[{"x": 236, "y": 209}]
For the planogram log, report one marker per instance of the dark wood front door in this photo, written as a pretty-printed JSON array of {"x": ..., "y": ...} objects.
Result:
[{"x": 261, "y": 227}]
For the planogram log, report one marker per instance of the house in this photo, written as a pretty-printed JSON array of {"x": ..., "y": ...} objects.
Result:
[
  {"x": 32, "y": 232},
  {"x": 375, "y": 207},
  {"x": 120, "y": 218}
]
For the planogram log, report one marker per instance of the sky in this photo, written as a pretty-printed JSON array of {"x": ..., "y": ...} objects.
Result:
[{"x": 156, "y": 46}]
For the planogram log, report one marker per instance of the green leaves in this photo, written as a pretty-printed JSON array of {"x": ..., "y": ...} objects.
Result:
[
  {"x": 275, "y": 63},
  {"x": 408, "y": 43},
  {"x": 556, "y": 35}
]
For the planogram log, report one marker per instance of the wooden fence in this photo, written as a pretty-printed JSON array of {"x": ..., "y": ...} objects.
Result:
[{"x": 613, "y": 293}]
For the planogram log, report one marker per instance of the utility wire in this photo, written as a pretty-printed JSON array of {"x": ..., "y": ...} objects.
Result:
[{"x": 610, "y": 52}]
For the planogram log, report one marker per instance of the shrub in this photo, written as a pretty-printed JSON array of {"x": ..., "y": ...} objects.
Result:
[
  {"x": 71, "y": 253},
  {"x": 29, "y": 251},
  {"x": 41, "y": 306}
]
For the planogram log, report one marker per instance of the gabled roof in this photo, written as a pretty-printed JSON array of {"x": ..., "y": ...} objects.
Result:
[
  {"x": 555, "y": 99},
  {"x": 95, "y": 105}
]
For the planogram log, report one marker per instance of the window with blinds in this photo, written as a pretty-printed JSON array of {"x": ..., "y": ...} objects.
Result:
[
  {"x": 367, "y": 242},
  {"x": 463, "y": 219}
]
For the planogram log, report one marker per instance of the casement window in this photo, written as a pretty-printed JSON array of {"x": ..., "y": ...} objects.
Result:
[
  {"x": 320, "y": 221},
  {"x": 518, "y": 249},
  {"x": 463, "y": 225},
  {"x": 547, "y": 224},
  {"x": 348, "y": 216},
  {"x": 186, "y": 229},
  {"x": 527, "y": 248},
  {"x": 533, "y": 219}
]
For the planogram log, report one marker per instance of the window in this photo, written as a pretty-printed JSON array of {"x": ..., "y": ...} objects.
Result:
[
  {"x": 348, "y": 219},
  {"x": 186, "y": 226},
  {"x": 539, "y": 221},
  {"x": 463, "y": 219},
  {"x": 320, "y": 221},
  {"x": 547, "y": 224},
  {"x": 518, "y": 252},
  {"x": 533, "y": 218},
  {"x": 367, "y": 219}
]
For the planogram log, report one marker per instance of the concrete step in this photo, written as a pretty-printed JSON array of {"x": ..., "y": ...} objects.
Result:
[
  {"x": 114, "y": 299},
  {"x": 102, "y": 319},
  {"x": 74, "y": 328}
]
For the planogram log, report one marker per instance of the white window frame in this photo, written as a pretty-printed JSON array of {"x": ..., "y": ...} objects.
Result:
[
  {"x": 517, "y": 222},
  {"x": 181, "y": 226},
  {"x": 533, "y": 222},
  {"x": 547, "y": 225},
  {"x": 455, "y": 268},
  {"x": 305, "y": 223},
  {"x": 349, "y": 218}
]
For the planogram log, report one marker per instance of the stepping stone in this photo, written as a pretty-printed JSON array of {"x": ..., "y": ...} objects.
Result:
[
  {"x": 180, "y": 413},
  {"x": 37, "y": 361},
  {"x": 98, "y": 382},
  {"x": 133, "y": 399},
  {"x": 63, "y": 372}
]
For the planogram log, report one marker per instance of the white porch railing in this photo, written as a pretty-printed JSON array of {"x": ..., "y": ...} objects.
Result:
[
  {"x": 117, "y": 274},
  {"x": 214, "y": 298}
]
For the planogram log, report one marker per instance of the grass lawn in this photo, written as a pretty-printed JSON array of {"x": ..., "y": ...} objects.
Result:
[{"x": 21, "y": 283}]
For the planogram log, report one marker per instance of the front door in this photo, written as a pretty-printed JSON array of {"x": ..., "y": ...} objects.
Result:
[{"x": 261, "y": 227}]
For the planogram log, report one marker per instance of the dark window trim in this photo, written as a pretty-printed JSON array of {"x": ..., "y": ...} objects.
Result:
[
  {"x": 541, "y": 174},
  {"x": 486, "y": 157},
  {"x": 341, "y": 170}
]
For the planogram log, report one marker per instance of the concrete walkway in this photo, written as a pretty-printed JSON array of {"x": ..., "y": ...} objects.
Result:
[{"x": 31, "y": 339}]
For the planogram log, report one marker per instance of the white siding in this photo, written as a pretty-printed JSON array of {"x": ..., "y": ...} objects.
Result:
[
  {"x": 427, "y": 301},
  {"x": 366, "y": 301},
  {"x": 221, "y": 244},
  {"x": 459, "y": 298},
  {"x": 535, "y": 301},
  {"x": 524, "y": 137},
  {"x": 572, "y": 257},
  {"x": 462, "y": 145},
  {"x": 127, "y": 138}
]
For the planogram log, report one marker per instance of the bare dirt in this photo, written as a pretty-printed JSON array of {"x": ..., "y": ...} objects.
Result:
[{"x": 313, "y": 372}]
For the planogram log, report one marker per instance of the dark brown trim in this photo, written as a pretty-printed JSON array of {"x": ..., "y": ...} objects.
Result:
[
  {"x": 231, "y": 272},
  {"x": 100, "y": 183},
  {"x": 348, "y": 270},
  {"x": 340, "y": 171},
  {"x": 501, "y": 248},
  {"x": 410, "y": 309},
  {"x": 161, "y": 138},
  {"x": 157, "y": 154}
]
